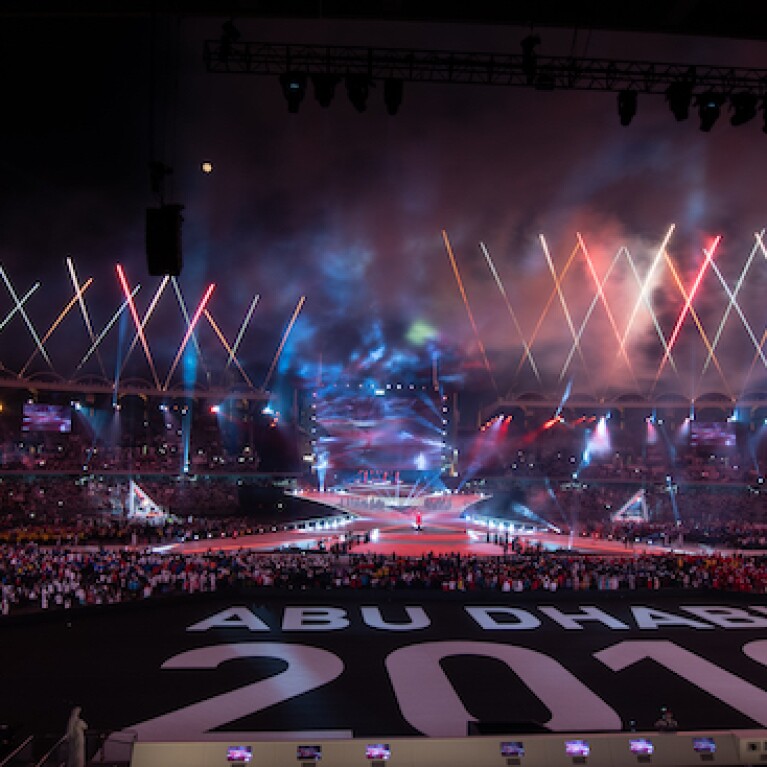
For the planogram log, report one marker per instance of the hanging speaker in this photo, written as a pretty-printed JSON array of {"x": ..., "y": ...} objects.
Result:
[{"x": 163, "y": 240}]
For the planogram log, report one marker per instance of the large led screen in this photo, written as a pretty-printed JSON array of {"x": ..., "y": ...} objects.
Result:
[
  {"x": 378, "y": 429},
  {"x": 37, "y": 417},
  {"x": 712, "y": 434}
]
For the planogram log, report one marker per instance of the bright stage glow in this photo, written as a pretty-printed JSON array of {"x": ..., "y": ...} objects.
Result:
[
  {"x": 420, "y": 333},
  {"x": 359, "y": 429}
]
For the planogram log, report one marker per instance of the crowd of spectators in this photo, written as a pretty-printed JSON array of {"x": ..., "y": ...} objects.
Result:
[
  {"x": 34, "y": 577},
  {"x": 65, "y": 538},
  {"x": 34, "y": 499},
  {"x": 157, "y": 454}
]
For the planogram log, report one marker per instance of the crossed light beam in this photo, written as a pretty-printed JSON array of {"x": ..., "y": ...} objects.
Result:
[
  {"x": 688, "y": 291},
  {"x": 84, "y": 310},
  {"x": 512, "y": 314},
  {"x": 63, "y": 313},
  {"x": 241, "y": 332},
  {"x": 27, "y": 321},
  {"x": 644, "y": 297},
  {"x": 108, "y": 327},
  {"x": 600, "y": 291},
  {"x": 557, "y": 291},
  {"x": 230, "y": 349},
  {"x": 140, "y": 323},
  {"x": 688, "y": 308},
  {"x": 284, "y": 340},
  {"x": 760, "y": 241},
  {"x": 552, "y": 295},
  {"x": 732, "y": 295},
  {"x": 144, "y": 321},
  {"x": 185, "y": 313},
  {"x": 139, "y": 329},
  {"x": 589, "y": 312},
  {"x": 225, "y": 343},
  {"x": 24, "y": 298},
  {"x": 462, "y": 289},
  {"x": 189, "y": 333}
]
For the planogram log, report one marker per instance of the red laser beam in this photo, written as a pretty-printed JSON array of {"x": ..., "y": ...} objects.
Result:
[
  {"x": 689, "y": 298},
  {"x": 195, "y": 318},
  {"x": 137, "y": 322}
]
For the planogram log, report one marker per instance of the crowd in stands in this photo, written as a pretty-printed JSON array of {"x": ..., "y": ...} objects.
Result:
[
  {"x": 77, "y": 453},
  {"x": 33, "y": 577},
  {"x": 556, "y": 454},
  {"x": 61, "y": 493},
  {"x": 35, "y": 498}
]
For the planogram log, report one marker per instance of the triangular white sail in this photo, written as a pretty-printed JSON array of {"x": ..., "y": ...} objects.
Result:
[
  {"x": 141, "y": 507},
  {"x": 634, "y": 510}
]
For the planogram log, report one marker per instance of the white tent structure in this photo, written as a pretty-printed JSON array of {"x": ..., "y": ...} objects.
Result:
[
  {"x": 633, "y": 511},
  {"x": 141, "y": 507}
]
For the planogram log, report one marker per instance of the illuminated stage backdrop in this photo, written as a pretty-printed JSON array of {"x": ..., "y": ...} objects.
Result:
[{"x": 366, "y": 428}]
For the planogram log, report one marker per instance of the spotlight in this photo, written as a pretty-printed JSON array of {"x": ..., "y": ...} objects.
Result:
[
  {"x": 358, "y": 87},
  {"x": 324, "y": 88},
  {"x": 393, "y": 94},
  {"x": 709, "y": 107},
  {"x": 627, "y": 106},
  {"x": 293, "y": 88},
  {"x": 743, "y": 107},
  {"x": 679, "y": 96}
]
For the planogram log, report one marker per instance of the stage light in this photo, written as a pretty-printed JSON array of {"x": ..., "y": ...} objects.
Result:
[
  {"x": 324, "y": 88},
  {"x": 679, "y": 96},
  {"x": 709, "y": 107},
  {"x": 743, "y": 107},
  {"x": 293, "y": 88},
  {"x": 357, "y": 88},
  {"x": 393, "y": 94},
  {"x": 627, "y": 106}
]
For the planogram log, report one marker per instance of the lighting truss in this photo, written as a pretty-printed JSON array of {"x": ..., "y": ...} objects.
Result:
[{"x": 458, "y": 67}]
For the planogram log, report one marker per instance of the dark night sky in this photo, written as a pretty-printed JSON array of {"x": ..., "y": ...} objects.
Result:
[{"x": 347, "y": 209}]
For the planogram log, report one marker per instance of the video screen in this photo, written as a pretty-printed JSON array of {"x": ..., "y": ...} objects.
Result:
[
  {"x": 37, "y": 417},
  {"x": 378, "y": 751},
  {"x": 641, "y": 746},
  {"x": 714, "y": 434},
  {"x": 386, "y": 429},
  {"x": 704, "y": 745},
  {"x": 512, "y": 748},
  {"x": 577, "y": 748},
  {"x": 309, "y": 753},
  {"x": 239, "y": 754}
]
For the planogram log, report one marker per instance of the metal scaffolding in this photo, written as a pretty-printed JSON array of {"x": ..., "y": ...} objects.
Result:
[{"x": 496, "y": 69}]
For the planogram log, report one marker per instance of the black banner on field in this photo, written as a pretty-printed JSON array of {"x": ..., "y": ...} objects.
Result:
[{"x": 390, "y": 664}]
